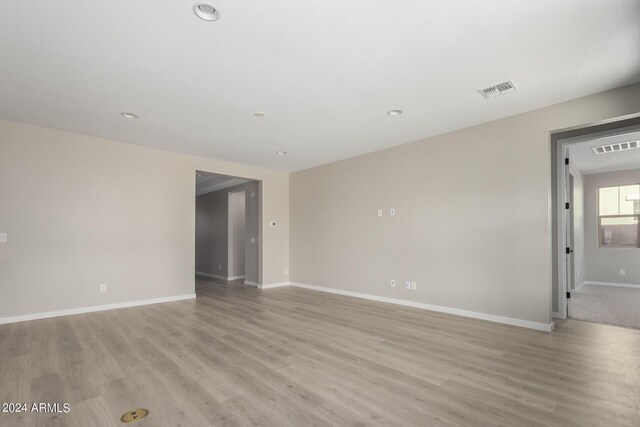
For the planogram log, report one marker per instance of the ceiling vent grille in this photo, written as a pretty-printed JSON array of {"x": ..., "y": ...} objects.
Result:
[
  {"x": 499, "y": 89},
  {"x": 612, "y": 148}
]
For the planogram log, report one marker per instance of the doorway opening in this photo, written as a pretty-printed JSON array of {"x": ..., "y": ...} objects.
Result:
[
  {"x": 228, "y": 231},
  {"x": 596, "y": 254}
]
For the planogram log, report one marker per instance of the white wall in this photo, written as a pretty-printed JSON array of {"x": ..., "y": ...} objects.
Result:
[
  {"x": 604, "y": 264},
  {"x": 473, "y": 224},
  {"x": 80, "y": 211}
]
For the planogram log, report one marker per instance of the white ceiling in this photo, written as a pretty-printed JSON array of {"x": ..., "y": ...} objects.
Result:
[
  {"x": 207, "y": 182},
  {"x": 588, "y": 162},
  {"x": 325, "y": 72}
]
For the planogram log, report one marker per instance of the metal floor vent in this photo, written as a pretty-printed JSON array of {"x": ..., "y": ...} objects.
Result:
[
  {"x": 134, "y": 415},
  {"x": 498, "y": 89},
  {"x": 612, "y": 148}
]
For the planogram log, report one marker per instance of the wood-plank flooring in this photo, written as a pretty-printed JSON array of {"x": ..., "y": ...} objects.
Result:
[{"x": 240, "y": 356}]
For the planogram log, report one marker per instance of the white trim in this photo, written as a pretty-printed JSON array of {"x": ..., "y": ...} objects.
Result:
[
  {"x": 71, "y": 311},
  {"x": 579, "y": 287},
  {"x": 619, "y": 285},
  {"x": 274, "y": 285},
  {"x": 214, "y": 276},
  {"x": 247, "y": 282},
  {"x": 217, "y": 276},
  {"x": 546, "y": 327}
]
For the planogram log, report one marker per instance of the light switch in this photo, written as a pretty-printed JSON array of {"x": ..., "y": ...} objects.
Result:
[
  {"x": 3, "y": 237},
  {"x": 253, "y": 240},
  {"x": 392, "y": 212},
  {"x": 379, "y": 212}
]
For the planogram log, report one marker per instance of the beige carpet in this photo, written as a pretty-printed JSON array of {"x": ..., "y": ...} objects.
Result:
[{"x": 606, "y": 304}]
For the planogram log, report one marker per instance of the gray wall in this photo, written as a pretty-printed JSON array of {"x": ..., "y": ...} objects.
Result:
[
  {"x": 212, "y": 231},
  {"x": 604, "y": 264},
  {"x": 473, "y": 223},
  {"x": 80, "y": 211},
  {"x": 578, "y": 226},
  {"x": 237, "y": 242}
]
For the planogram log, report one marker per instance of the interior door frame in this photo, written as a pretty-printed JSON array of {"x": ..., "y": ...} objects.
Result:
[{"x": 560, "y": 141}]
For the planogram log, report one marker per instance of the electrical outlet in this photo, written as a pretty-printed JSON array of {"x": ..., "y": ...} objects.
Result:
[
  {"x": 3, "y": 238},
  {"x": 219, "y": 266},
  {"x": 413, "y": 286},
  {"x": 622, "y": 272},
  {"x": 393, "y": 283},
  {"x": 253, "y": 240},
  {"x": 286, "y": 271},
  {"x": 103, "y": 289},
  {"x": 407, "y": 285}
]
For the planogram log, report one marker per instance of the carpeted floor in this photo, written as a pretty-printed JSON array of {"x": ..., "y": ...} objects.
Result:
[{"x": 606, "y": 304}]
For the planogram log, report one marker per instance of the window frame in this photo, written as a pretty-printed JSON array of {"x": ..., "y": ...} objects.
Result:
[{"x": 600, "y": 217}]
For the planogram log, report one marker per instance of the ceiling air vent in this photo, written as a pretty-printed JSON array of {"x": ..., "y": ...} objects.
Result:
[
  {"x": 612, "y": 148},
  {"x": 497, "y": 90}
]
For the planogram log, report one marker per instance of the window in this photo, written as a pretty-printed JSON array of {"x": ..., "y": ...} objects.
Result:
[{"x": 618, "y": 212}]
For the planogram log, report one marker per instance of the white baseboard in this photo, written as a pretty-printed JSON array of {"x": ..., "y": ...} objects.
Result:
[
  {"x": 619, "y": 285},
  {"x": 546, "y": 327},
  {"x": 217, "y": 276},
  {"x": 274, "y": 285},
  {"x": 269, "y": 286},
  {"x": 81, "y": 310},
  {"x": 579, "y": 287},
  {"x": 214, "y": 276}
]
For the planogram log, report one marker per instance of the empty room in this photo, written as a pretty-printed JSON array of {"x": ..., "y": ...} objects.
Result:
[{"x": 269, "y": 213}]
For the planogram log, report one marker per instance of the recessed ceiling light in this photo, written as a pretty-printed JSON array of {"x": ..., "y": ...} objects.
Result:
[
  {"x": 394, "y": 112},
  {"x": 281, "y": 153},
  {"x": 129, "y": 115},
  {"x": 258, "y": 114},
  {"x": 206, "y": 11}
]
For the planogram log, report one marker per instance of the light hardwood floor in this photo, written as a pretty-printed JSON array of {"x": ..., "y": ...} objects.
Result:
[{"x": 295, "y": 357}]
